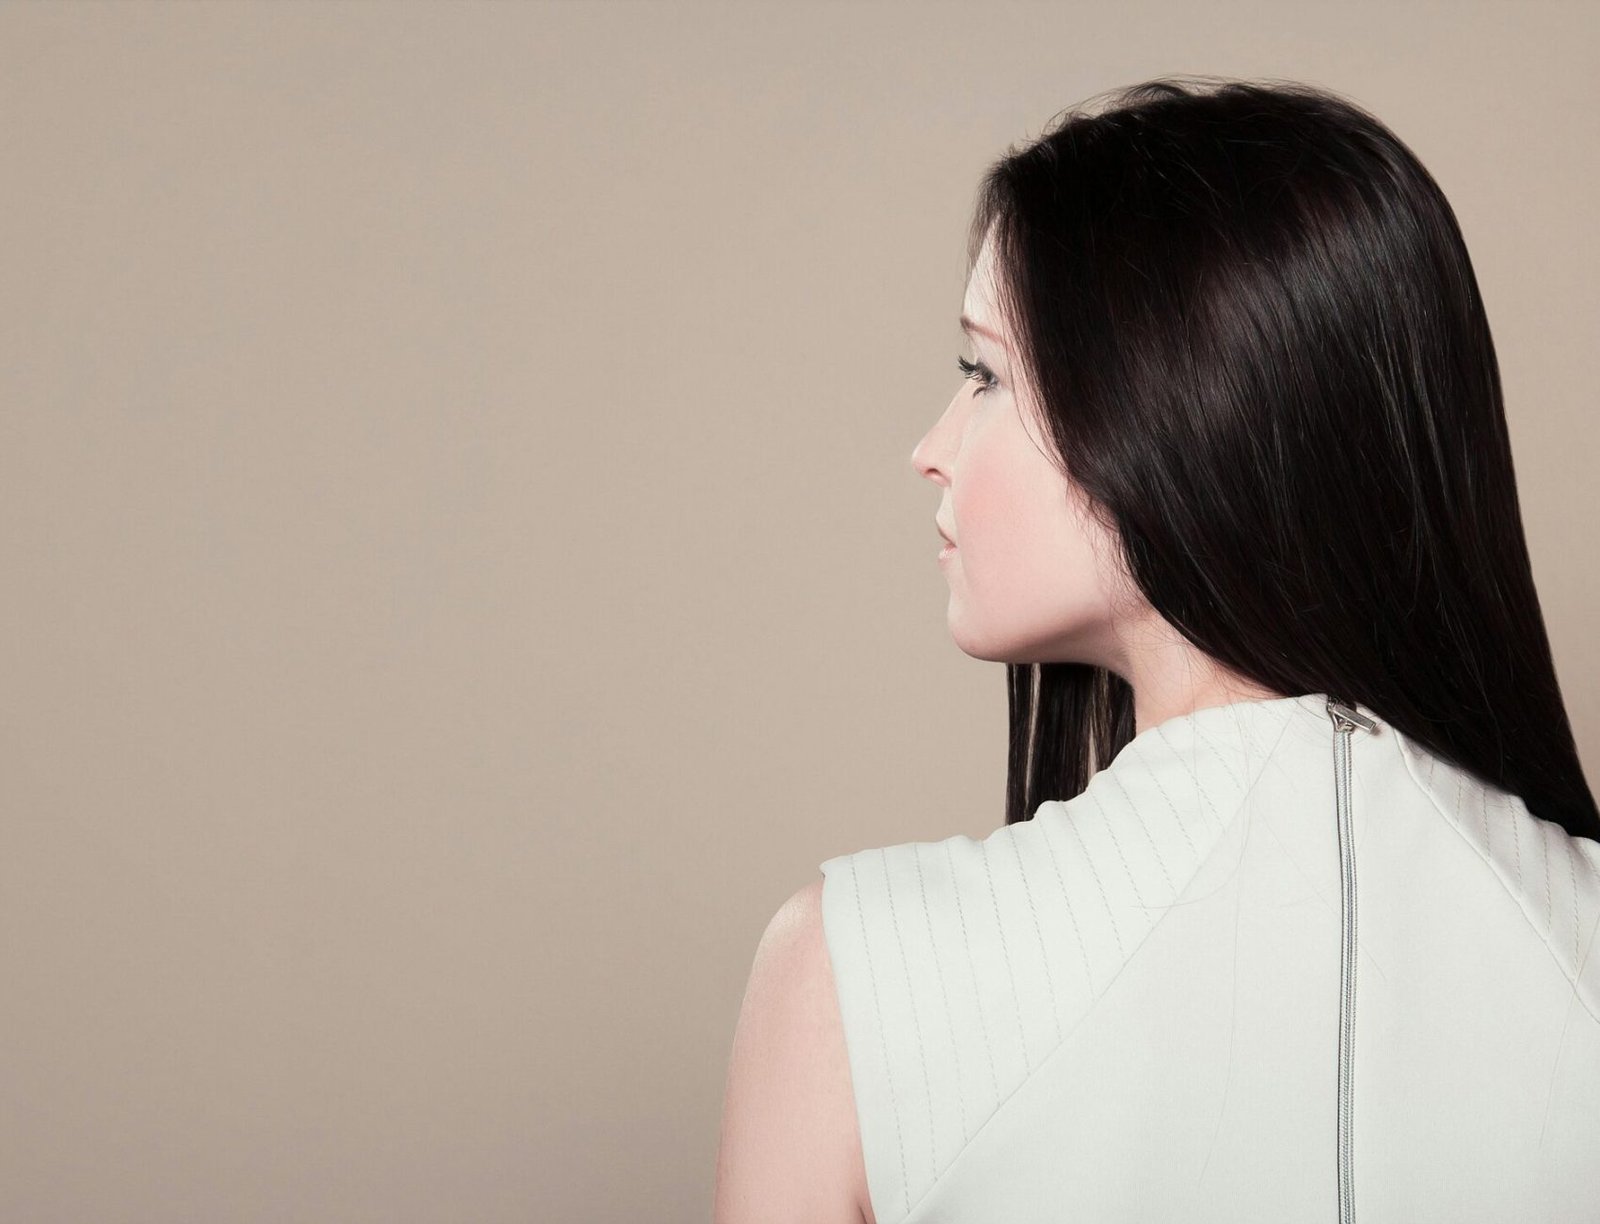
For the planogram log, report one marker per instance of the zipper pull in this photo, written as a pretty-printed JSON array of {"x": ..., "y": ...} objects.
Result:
[{"x": 1347, "y": 718}]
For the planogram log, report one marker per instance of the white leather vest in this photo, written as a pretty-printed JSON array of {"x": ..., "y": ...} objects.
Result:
[{"x": 1276, "y": 963}]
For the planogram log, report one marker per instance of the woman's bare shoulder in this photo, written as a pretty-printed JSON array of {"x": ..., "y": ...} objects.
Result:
[{"x": 790, "y": 1147}]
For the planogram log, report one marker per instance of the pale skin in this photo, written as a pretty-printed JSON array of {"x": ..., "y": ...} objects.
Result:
[{"x": 1034, "y": 577}]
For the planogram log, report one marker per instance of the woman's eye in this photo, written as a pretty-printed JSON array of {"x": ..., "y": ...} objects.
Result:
[{"x": 979, "y": 373}]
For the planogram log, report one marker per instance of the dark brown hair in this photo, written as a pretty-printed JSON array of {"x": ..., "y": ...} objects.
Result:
[{"x": 1260, "y": 349}]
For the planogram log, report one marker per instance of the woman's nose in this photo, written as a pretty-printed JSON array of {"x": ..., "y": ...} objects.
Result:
[
  {"x": 922, "y": 458},
  {"x": 931, "y": 457}
]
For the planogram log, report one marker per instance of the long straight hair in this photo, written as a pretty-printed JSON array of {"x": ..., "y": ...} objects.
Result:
[{"x": 1258, "y": 346}]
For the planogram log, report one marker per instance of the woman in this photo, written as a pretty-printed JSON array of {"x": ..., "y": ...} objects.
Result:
[{"x": 1293, "y": 915}]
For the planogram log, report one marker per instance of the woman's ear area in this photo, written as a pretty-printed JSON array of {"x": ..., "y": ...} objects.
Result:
[{"x": 790, "y": 1149}]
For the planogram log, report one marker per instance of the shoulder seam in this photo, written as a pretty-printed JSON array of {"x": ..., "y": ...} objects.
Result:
[{"x": 1494, "y": 870}]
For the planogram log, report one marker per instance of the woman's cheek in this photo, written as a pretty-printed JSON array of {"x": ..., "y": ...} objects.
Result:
[{"x": 996, "y": 534}]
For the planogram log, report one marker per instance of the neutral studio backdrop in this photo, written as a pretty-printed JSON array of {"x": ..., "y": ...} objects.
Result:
[{"x": 462, "y": 564}]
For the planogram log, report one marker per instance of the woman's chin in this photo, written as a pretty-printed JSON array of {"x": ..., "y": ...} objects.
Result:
[{"x": 974, "y": 645}]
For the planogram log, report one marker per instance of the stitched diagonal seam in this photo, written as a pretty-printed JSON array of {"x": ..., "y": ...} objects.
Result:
[{"x": 1058, "y": 1047}]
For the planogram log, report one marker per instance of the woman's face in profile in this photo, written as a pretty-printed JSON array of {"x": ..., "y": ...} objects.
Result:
[{"x": 1028, "y": 577}]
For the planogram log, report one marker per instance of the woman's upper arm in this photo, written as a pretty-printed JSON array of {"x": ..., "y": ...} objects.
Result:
[{"x": 790, "y": 1148}]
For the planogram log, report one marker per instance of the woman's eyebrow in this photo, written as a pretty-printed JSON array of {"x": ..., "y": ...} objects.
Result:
[{"x": 967, "y": 325}]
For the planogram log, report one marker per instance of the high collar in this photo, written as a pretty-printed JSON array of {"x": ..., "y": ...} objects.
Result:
[{"x": 1212, "y": 756}]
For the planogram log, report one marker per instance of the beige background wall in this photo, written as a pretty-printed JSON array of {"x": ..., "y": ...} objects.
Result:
[{"x": 462, "y": 564}]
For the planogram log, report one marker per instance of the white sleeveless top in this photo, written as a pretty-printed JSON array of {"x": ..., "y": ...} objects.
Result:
[{"x": 1186, "y": 994}]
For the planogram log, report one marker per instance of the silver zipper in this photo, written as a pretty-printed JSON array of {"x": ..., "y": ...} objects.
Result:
[{"x": 1346, "y": 718}]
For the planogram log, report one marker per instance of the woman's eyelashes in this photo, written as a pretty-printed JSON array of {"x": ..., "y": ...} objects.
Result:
[{"x": 979, "y": 373}]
